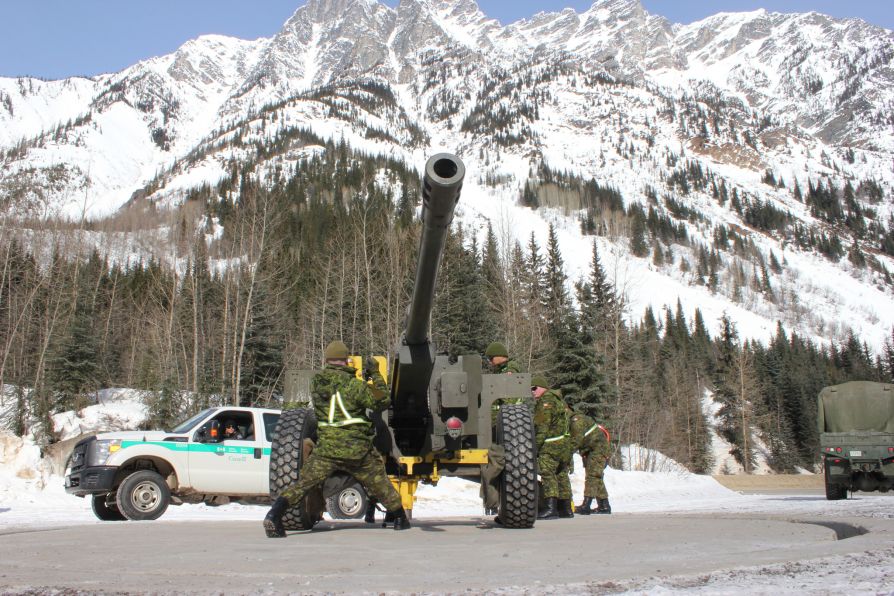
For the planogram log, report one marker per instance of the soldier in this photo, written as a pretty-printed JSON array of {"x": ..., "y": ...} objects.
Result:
[
  {"x": 498, "y": 358},
  {"x": 345, "y": 438},
  {"x": 593, "y": 442},
  {"x": 553, "y": 449}
]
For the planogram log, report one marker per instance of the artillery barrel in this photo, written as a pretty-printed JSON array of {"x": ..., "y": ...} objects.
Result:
[{"x": 441, "y": 186}]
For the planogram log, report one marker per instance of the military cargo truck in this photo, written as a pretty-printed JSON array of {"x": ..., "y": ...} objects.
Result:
[{"x": 856, "y": 424}]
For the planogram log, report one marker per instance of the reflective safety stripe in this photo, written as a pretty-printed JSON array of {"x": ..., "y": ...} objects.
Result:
[
  {"x": 336, "y": 397},
  {"x": 600, "y": 427},
  {"x": 554, "y": 439}
]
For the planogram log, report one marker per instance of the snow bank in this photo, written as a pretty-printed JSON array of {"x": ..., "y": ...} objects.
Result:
[
  {"x": 637, "y": 458},
  {"x": 116, "y": 409},
  {"x": 21, "y": 467}
]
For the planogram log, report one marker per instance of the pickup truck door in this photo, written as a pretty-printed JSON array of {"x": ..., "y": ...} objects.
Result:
[
  {"x": 268, "y": 428},
  {"x": 232, "y": 467}
]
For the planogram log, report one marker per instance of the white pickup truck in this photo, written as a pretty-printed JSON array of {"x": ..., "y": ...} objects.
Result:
[{"x": 135, "y": 475}]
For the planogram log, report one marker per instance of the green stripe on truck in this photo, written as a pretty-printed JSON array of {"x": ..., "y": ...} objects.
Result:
[{"x": 196, "y": 447}]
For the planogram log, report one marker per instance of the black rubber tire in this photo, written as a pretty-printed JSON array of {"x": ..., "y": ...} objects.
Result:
[
  {"x": 104, "y": 510},
  {"x": 835, "y": 491},
  {"x": 518, "y": 481},
  {"x": 286, "y": 459},
  {"x": 144, "y": 495},
  {"x": 349, "y": 503}
]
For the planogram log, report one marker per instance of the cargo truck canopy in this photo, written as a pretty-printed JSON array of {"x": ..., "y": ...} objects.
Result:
[{"x": 858, "y": 405}]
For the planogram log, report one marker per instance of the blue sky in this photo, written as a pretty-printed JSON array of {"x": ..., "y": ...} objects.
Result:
[{"x": 61, "y": 38}]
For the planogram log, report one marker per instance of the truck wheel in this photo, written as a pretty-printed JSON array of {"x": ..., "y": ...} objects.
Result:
[
  {"x": 294, "y": 428},
  {"x": 518, "y": 483},
  {"x": 143, "y": 495},
  {"x": 106, "y": 510},
  {"x": 349, "y": 503},
  {"x": 835, "y": 492}
]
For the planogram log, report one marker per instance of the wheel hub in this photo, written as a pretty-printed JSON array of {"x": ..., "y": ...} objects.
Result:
[
  {"x": 350, "y": 501},
  {"x": 145, "y": 496}
]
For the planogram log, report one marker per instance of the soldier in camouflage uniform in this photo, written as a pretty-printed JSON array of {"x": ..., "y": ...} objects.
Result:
[
  {"x": 553, "y": 449},
  {"x": 499, "y": 363},
  {"x": 592, "y": 441},
  {"x": 498, "y": 358},
  {"x": 345, "y": 433}
]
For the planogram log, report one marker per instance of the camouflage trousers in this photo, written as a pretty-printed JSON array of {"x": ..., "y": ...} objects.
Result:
[
  {"x": 554, "y": 462},
  {"x": 594, "y": 467},
  {"x": 368, "y": 471}
]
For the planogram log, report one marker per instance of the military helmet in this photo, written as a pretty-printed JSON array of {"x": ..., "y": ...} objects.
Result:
[
  {"x": 496, "y": 349},
  {"x": 539, "y": 381},
  {"x": 336, "y": 350}
]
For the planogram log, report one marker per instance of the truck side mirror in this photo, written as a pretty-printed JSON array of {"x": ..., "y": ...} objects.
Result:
[{"x": 214, "y": 432}]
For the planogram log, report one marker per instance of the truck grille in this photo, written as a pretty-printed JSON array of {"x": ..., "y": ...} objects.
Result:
[{"x": 78, "y": 457}]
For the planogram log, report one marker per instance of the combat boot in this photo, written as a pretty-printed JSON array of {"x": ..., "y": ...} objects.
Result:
[
  {"x": 604, "y": 506},
  {"x": 389, "y": 518},
  {"x": 370, "y": 516},
  {"x": 273, "y": 522},
  {"x": 549, "y": 511},
  {"x": 584, "y": 508},
  {"x": 565, "y": 509},
  {"x": 401, "y": 521}
]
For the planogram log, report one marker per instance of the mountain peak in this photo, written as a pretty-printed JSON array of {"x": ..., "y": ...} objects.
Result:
[{"x": 618, "y": 7}]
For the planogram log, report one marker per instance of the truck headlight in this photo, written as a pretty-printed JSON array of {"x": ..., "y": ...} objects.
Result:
[{"x": 100, "y": 451}]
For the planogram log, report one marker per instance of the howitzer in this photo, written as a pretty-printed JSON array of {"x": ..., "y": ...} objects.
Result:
[{"x": 447, "y": 417}]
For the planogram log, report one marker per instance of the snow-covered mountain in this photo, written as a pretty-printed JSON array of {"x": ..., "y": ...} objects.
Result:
[{"x": 613, "y": 94}]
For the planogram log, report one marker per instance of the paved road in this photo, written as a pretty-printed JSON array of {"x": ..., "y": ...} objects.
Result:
[{"x": 436, "y": 555}]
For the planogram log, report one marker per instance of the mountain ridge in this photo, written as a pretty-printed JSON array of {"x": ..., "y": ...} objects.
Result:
[{"x": 613, "y": 94}]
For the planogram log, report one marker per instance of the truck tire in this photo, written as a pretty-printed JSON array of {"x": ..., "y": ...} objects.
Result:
[
  {"x": 835, "y": 492},
  {"x": 105, "y": 510},
  {"x": 349, "y": 503},
  {"x": 144, "y": 495},
  {"x": 286, "y": 458},
  {"x": 518, "y": 481}
]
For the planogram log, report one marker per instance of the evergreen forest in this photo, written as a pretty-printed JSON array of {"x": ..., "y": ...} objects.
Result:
[{"x": 248, "y": 280}]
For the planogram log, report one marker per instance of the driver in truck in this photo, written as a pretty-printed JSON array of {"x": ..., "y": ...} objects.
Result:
[{"x": 231, "y": 431}]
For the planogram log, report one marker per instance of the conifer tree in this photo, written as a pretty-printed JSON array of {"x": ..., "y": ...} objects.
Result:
[
  {"x": 556, "y": 300},
  {"x": 74, "y": 369},
  {"x": 889, "y": 358},
  {"x": 638, "y": 245},
  {"x": 463, "y": 321},
  {"x": 262, "y": 368},
  {"x": 726, "y": 393},
  {"x": 493, "y": 277},
  {"x": 577, "y": 371}
]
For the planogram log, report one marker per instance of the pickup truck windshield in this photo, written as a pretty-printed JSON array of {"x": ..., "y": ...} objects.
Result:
[{"x": 186, "y": 426}]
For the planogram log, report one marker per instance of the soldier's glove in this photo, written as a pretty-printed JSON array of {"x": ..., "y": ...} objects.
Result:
[{"x": 370, "y": 367}]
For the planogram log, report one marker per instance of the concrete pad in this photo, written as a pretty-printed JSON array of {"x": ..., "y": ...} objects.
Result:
[{"x": 435, "y": 555}]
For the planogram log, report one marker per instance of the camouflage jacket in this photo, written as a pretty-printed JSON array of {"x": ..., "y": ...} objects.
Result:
[
  {"x": 586, "y": 435},
  {"x": 550, "y": 419},
  {"x": 340, "y": 404},
  {"x": 507, "y": 368}
]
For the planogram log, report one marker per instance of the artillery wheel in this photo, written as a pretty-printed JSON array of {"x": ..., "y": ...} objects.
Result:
[
  {"x": 293, "y": 431},
  {"x": 518, "y": 481}
]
